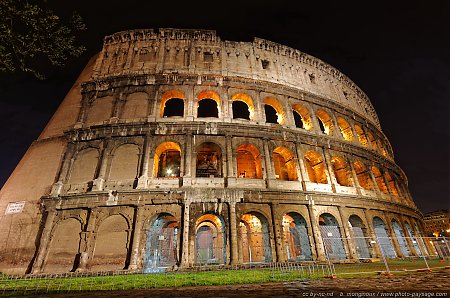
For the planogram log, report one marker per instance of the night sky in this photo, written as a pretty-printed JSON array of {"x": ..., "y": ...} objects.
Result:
[{"x": 398, "y": 53}]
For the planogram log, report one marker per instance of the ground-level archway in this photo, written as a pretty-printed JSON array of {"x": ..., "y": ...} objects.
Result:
[
  {"x": 161, "y": 249},
  {"x": 296, "y": 239},
  {"x": 383, "y": 238},
  {"x": 359, "y": 235},
  {"x": 332, "y": 239},
  {"x": 210, "y": 240},
  {"x": 255, "y": 239},
  {"x": 400, "y": 235}
]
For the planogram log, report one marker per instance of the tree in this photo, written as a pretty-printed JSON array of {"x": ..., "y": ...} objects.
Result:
[{"x": 32, "y": 36}]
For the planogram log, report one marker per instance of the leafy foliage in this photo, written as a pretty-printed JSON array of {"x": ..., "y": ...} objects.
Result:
[{"x": 31, "y": 36}]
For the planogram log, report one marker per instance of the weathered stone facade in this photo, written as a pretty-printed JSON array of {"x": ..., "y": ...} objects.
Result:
[{"x": 175, "y": 148}]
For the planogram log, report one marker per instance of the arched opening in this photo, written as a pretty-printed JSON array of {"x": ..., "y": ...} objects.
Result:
[
  {"x": 315, "y": 167},
  {"x": 363, "y": 176},
  {"x": 331, "y": 236},
  {"x": 400, "y": 235},
  {"x": 161, "y": 248},
  {"x": 325, "y": 122},
  {"x": 167, "y": 161},
  {"x": 410, "y": 235},
  {"x": 372, "y": 141},
  {"x": 84, "y": 166},
  {"x": 174, "y": 107},
  {"x": 209, "y": 160},
  {"x": 172, "y": 104},
  {"x": 361, "y": 136},
  {"x": 125, "y": 163},
  {"x": 208, "y": 104},
  {"x": 392, "y": 184},
  {"x": 242, "y": 106},
  {"x": 284, "y": 164},
  {"x": 296, "y": 239},
  {"x": 382, "y": 149},
  {"x": 359, "y": 235},
  {"x": 380, "y": 180},
  {"x": 345, "y": 128},
  {"x": 248, "y": 162},
  {"x": 210, "y": 240},
  {"x": 274, "y": 111},
  {"x": 341, "y": 171},
  {"x": 301, "y": 117},
  {"x": 255, "y": 238},
  {"x": 64, "y": 247},
  {"x": 383, "y": 238},
  {"x": 113, "y": 229}
]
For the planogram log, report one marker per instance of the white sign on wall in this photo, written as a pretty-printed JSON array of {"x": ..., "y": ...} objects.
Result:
[{"x": 15, "y": 207}]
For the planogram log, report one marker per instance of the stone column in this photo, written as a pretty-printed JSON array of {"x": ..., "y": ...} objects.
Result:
[
  {"x": 375, "y": 247},
  {"x": 63, "y": 172},
  {"x": 87, "y": 241},
  {"x": 330, "y": 172},
  {"x": 143, "y": 175},
  {"x": 355, "y": 178},
  {"x": 100, "y": 180},
  {"x": 267, "y": 158},
  {"x": 233, "y": 234},
  {"x": 316, "y": 232},
  {"x": 137, "y": 229},
  {"x": 185, "y": 238},
  {"x": 349, "y": 242},
  {"x": 229, "y": 162},
  {"x": 38, "y": 265},
  {"x": 393, "y": 237},
  {"x": 374, "y": 181},
  {"x": 412, "y": 249},
  {"x": 277, "y": 234}
]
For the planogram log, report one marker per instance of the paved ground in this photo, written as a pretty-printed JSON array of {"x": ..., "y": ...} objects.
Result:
[{"x": 434, "y": 284}]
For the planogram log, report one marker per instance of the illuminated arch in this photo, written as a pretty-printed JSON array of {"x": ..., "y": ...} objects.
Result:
[
  {"x": 361, "y": 136},
  {"x": 254, "y": 238},
  {"x": 248, "y": 161},
  {"x": 315, "y": 167},
  {"x": 209, "y": 160},
  {"x": 372, "y": 141},
  {"x": 167, "y": 160},
  {"x": 171, "y": 94},
  {"x": 207, "y": 96},
  {"x": 382, "y": 149},
  {"x": 380, "y": 180},
  {"x": 242, "y": 97},
  {"x": 363, "y": 175},
  {"x": 341, "y": 171},
  {"x": 325, "y": 122},
  {"x": 303, "y": 113},
  {"x": 270, "y": 101},
  {"x": 210, "y": 239},
  {"x": 346, "y": 129},
  {"x": 284, "y": 164},
  {"x": 392, "y": 184}
]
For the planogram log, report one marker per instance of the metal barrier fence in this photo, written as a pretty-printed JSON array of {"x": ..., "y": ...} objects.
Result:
[{"x": 353, "y": 256}]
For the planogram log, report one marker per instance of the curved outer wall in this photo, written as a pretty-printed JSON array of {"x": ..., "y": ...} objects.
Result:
[{"x": 114, "y": 165}]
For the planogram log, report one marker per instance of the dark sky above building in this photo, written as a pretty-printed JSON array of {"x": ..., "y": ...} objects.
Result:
[{"x": 396, "y": 51}]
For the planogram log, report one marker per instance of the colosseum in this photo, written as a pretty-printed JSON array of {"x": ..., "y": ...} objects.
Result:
[{"x": 175, "y": 148}]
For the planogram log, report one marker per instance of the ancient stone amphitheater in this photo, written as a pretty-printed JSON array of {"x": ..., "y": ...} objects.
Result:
[{"x": 175, "y": 148}]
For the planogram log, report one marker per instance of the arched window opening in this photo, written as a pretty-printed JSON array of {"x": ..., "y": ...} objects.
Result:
[
  {"x": 301, "y": 117},
  {"x": 410, "y": 234},
  {"x": 240, "y": 98},
  {"x": 392, "y": 184},
  {"x": 380, "y": 180},
  {"x": 274, "y": 111},
  {"x": 383, "y": 238},
  {"x": 346, "y": 129},
  {"x": 341, "y": 171},
  {"x": 207, "y": 107},
  {"x": 372, "y": 141},
  {"x": 284, "y": 164},
  {"x": 315, "y": 167},
  {"x": 208, "y": 104},
  {"x": 248, "y": 162},
  {"x": 209, "y": 160},
  {"x": 240, "y": 110},
  {"x": 124, "y": 163},
  {"x": 84, "y": 166},
  {"x": 382, "y": 149},
  {"x": 363, "y": 176},
  {"x": 296, "y": 239},
  {"x": 325, "y": 122},
  {"x": 174, "y": 107},
  {"x": 210, "y": 240},
  {"x": 361, "y": 136},
  {"x": 254, "y": 239},
  {"x": 359, "y": 235},
  {"x": 172, "y": 104},
  {"x": 167, "y": 161},
  {"x": 331, "y": 235},
  {"x": 400, "y": 235},
  {"x": 161, "y": 250}
]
